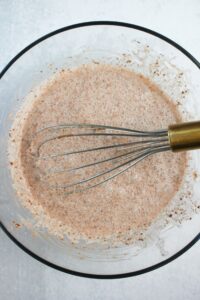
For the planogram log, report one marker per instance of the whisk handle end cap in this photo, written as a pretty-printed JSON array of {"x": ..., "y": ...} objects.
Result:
[{"x": 185, "y": 136}]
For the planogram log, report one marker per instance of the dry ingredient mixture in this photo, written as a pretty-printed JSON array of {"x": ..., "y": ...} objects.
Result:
[{"x": 106, "y": 95}]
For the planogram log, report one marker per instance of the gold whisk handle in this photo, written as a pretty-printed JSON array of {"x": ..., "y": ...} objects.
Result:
[{"x": 185, "y": 136}]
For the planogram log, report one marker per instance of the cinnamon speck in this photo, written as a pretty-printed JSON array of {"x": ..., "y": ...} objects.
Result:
[
  {"x": 194, "y": 175},
  {"x": 17, "y": 225}
]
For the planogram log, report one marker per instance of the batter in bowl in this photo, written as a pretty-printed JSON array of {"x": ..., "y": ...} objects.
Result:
[{"x": 106, "y": 95}]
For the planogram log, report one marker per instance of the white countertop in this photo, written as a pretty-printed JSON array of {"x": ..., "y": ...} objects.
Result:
[{"x": 22, "y": 21}]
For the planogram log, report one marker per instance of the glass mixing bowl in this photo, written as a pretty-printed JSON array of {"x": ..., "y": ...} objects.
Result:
[{"x": 149, "y": 53}]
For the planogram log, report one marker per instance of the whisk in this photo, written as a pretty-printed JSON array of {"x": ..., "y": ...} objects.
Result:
[{"x": 95, "y": 154}]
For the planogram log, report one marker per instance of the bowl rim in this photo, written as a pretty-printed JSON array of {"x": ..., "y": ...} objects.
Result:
[{"x": 5, "y": 69}]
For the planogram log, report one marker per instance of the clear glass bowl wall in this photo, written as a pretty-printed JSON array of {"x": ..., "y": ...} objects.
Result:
[{"x": 133, "y": 48}]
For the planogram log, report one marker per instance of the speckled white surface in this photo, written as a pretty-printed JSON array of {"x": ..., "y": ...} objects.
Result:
[{"x": 22, "y": 21}]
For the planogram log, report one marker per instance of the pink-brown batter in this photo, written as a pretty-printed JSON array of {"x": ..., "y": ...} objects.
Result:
[{"x": 106, "y": 95}]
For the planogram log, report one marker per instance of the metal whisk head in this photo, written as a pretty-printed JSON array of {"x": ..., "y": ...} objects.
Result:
[{"x": 77, "y": 157}]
